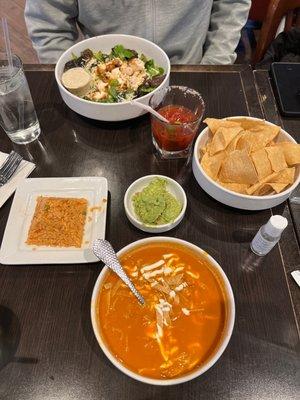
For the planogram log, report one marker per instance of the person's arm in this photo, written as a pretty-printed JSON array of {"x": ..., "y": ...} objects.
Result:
[
  {"x": 51, "y": 25},
  {"x": 227, "y": 19}
]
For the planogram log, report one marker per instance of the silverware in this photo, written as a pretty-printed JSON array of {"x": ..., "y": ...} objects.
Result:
[
  {"x": 104, "y": 251},
  {"x": 9, "y": 167}
]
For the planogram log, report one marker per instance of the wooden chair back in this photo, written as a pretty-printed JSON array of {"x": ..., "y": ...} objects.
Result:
[{"x": 276, "y": 11}]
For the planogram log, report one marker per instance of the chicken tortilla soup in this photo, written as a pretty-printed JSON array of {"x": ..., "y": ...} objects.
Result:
[{"x": 180, "y": 326}]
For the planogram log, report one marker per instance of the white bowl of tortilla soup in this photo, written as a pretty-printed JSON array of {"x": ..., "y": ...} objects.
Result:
[
  {"x": 186, "y": 322},
  {"x": 260, "y": 193}
]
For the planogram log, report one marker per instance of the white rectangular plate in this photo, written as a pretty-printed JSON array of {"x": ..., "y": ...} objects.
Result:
[{"x": 14, "y": 249}]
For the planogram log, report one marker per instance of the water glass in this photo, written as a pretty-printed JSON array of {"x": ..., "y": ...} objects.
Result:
[
  {"x": 17, "y": 113},
  {"x": 184, "y": 108}
]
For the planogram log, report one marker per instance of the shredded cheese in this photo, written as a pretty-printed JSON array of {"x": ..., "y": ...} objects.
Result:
[
  {"x": 167, "y": 271},
  {"x": 178, "y": 269},
  {"x": 160, "y": 331},
  {"x": 152, "y": 266},
  {"x": 166, "y": 256},
  {"x": 152, "y": 274},
  {"x": 192, "y": 274},
  {"x": 171, "y": 260},
  {"x": 162, "y": 350},
  {"x": 181, "y": 286}
]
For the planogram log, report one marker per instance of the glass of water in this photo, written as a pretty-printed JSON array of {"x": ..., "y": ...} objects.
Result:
[{"x": 17, "y": 114}]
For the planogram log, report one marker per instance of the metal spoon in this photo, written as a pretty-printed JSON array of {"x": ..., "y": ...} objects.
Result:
[{"x": 105, "y": 252}]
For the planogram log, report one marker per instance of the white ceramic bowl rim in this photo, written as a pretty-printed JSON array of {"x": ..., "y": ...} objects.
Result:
[
  {"x": 148, "y": 95},
  {"x": 246, "y": 196},
  {"x": 225, "y": 338},
  {"x": 184, "y": 205}
]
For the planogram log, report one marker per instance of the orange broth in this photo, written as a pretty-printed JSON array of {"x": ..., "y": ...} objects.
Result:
[{"x": 184, "y": 317}]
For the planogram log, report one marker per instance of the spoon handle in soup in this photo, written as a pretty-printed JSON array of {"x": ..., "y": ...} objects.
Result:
[{"x": 105, "y": 252}]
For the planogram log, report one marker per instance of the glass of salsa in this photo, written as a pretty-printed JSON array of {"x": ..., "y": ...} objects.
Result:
[{"x": 183, "y": 108}]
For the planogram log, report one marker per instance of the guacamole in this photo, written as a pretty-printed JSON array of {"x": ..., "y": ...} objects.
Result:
[{"x": 154, "y": 205}]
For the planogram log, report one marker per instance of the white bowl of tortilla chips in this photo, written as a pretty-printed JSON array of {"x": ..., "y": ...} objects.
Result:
[{"x": 246, "y": 162}]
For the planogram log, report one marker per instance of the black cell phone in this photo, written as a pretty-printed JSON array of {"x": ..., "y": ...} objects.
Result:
[{"x": 285, "y": 79}]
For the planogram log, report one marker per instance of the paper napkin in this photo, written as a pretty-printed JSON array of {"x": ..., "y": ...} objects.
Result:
[{"x": 24, "y": 169}]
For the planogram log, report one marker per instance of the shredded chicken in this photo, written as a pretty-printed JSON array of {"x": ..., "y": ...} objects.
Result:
[{"x": 129, "y": 75}]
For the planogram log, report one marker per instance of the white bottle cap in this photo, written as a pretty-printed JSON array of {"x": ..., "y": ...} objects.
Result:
[{"x": 276, "y": 225}]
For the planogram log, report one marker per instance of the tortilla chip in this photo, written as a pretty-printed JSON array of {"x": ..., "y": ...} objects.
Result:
[
  {"x": 276, "y": 157},
  {"x": 245, "y": 142},
  {"x": 258, "y": 138},
  {"x": 248, "y": 124},
  {"x": 268, "y": 188},
  {"x": 214, "y": 124},
  {"x": 212, "y": 165},
  {"x": 238, "y": 167},
  {"x": 286, "y": 176},
  {"x": 291, "y": 152},
  {"x": 222, "y": 138},
  {"x": 235, "y": 187},
  {"x": 262, "y": 136},
  {"x": 243, "y": 156},
  {"x": 233, "y": 144},
  {"x": 262, "y": 163},
  {"x": 203, "y": 150}
]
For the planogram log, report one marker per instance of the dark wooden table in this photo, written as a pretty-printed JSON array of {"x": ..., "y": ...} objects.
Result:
[{"x": 47, "y": 346}]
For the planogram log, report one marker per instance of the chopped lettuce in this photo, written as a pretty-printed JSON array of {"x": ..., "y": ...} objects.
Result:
[
  {"x": 112, "y": 91},
  {"x": 152, "y": 69},
  {"x": 99, "y": 56},
  {"x": 143, "y": 58},
  {"x": 146, "y": 89},
  {"x": 122, "y": 53}
]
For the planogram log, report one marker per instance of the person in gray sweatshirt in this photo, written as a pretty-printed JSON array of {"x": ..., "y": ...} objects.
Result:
[{"x": 190, "y": 31}]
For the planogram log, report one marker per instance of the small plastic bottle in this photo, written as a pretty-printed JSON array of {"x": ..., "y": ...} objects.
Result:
[{"x": 268, "y": 235}]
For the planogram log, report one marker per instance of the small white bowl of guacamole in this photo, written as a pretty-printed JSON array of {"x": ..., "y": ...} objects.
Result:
[{"x": 155, "y": 203}]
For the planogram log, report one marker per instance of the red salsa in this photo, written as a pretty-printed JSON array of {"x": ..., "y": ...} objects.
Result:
[
  {"x": 179, "y": 134},
  {"x": 177, "y": 114}
]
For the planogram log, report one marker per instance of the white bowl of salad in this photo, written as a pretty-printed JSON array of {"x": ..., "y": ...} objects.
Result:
[{"x": 102, "y": 77}]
